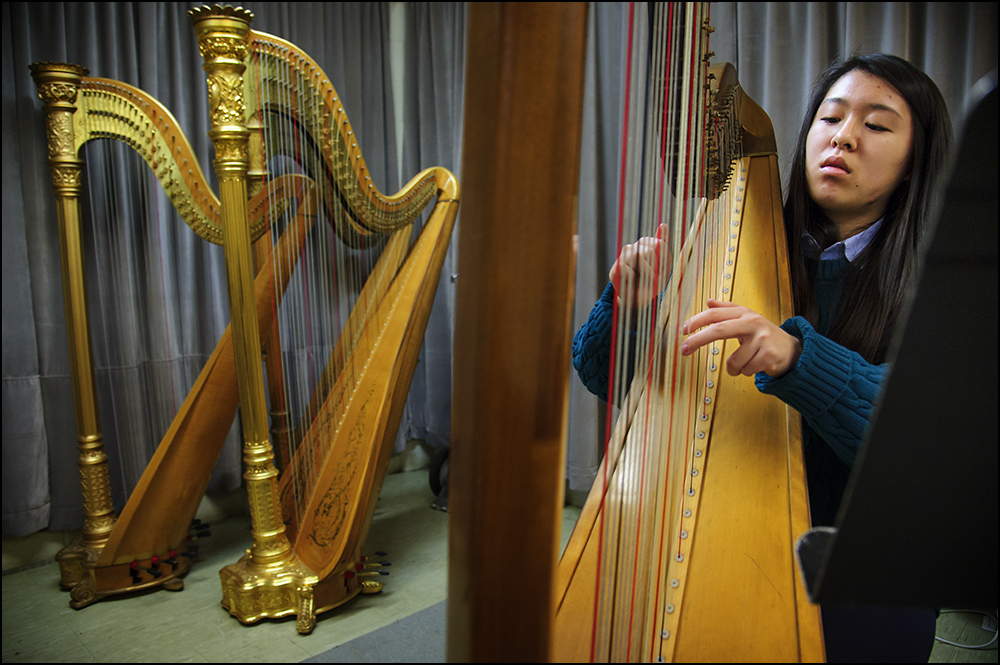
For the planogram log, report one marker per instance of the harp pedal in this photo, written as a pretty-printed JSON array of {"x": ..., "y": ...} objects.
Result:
[
  {"x": 375, "y": 564},
  {"x": 153, "y": 570},
  {"x": 199, "y": 530},
  {"x": 171, "y": 584},
  {"x": 171, "y": 560},
  {"x": 367, "y": 569}
]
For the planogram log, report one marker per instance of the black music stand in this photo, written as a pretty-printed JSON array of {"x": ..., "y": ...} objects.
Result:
[{"x": 918, "y": 524}]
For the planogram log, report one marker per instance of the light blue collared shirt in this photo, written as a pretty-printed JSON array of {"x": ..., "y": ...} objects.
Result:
[{"x": 849, "y": 248}]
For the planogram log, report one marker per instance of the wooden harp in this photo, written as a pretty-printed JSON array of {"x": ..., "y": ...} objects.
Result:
[{"x": 684, "y": 550}]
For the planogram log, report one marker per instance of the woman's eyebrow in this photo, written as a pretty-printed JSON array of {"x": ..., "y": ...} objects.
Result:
[{"x": 871, "y": 106}]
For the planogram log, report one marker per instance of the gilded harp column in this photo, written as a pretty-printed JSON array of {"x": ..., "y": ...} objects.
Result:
[
  {"x": 269, "y": 581},
  {"x": 58, "y": 86}
]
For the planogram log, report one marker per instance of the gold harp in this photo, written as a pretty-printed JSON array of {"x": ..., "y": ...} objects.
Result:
[
  {"x": 309, "y": 524},
  {"x": 698, "y": 564},
  {"x": 146, "y": 545},
  {"x": 345, "y": 435}
]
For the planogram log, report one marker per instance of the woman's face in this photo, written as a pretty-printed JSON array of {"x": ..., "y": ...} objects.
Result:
[{"x": 858, "y": 150}]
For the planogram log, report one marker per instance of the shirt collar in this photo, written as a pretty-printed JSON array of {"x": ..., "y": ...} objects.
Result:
[{"x": 849, "y": 248}]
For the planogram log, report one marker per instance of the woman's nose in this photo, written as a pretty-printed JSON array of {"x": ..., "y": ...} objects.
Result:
[{"x": 846, "y": 136}]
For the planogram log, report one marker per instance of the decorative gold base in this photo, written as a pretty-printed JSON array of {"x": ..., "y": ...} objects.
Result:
[
  {"x": 252, "y": 592},
  {"x": 88, "y": 583},
  {"x": 70, "y": 560}
]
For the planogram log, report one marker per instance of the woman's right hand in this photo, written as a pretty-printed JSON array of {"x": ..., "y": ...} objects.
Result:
[{"x": 641, "y": 270}]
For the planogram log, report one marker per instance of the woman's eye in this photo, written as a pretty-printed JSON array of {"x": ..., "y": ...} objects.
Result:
[
  {"x": 876, "y": 128},
  {"x": 829, "y": 120}
]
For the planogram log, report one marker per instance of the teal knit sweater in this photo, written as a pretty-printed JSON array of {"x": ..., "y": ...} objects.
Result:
[{"x": 833, "y": 388}]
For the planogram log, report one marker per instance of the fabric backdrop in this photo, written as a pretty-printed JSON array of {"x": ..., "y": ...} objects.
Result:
[{"x": 778, "y": 49}]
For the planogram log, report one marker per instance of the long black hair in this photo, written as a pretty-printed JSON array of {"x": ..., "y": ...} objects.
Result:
[{"x": 877, "y": 279}]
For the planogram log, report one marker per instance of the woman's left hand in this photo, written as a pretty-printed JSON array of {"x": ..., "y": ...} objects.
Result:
[{"x": 763, "y": 345}]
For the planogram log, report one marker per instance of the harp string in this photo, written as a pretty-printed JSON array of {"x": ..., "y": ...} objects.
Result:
[
  {"x": 126, "y": 230},
  {"x": 317, "y": 334},
  {"x": 269, "y": 88},
  {"x": 106, "y": 246},
  {"x": 647, "y": 482},
  {"x": 661, "y": 458},
  {"x": 637, "y": 457},
  {"x": 600, "y": 612}
]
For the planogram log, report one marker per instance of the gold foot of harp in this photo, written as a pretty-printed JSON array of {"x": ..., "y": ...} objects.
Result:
[{"x": 684, "y": 550}]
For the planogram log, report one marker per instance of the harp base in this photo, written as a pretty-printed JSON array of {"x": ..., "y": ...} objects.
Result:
[
  {"x": 252, "y": 592},
  {"x": 88, "y": 583}
]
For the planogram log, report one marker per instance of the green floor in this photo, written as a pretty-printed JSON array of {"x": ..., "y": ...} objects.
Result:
[{"x": 191, "y": 626}]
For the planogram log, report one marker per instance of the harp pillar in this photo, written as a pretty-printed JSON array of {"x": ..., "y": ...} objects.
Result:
[
  {"x": 58, "y": 85},
  {"x": 268, "y": 581}
]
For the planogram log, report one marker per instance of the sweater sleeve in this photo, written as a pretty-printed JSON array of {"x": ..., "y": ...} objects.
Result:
[
  {"x": 833, "y": 388},
  {"x": 592, "y": 345}
]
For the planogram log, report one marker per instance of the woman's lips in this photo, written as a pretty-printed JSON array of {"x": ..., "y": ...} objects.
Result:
[{"x": 834, "y": 165}]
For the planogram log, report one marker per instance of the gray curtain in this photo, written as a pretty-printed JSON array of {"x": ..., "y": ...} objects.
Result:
[
  {"x": 146, "y": 356},
  {"x": 778, "y": 49},
  {"x": 434, "y": 96}
]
